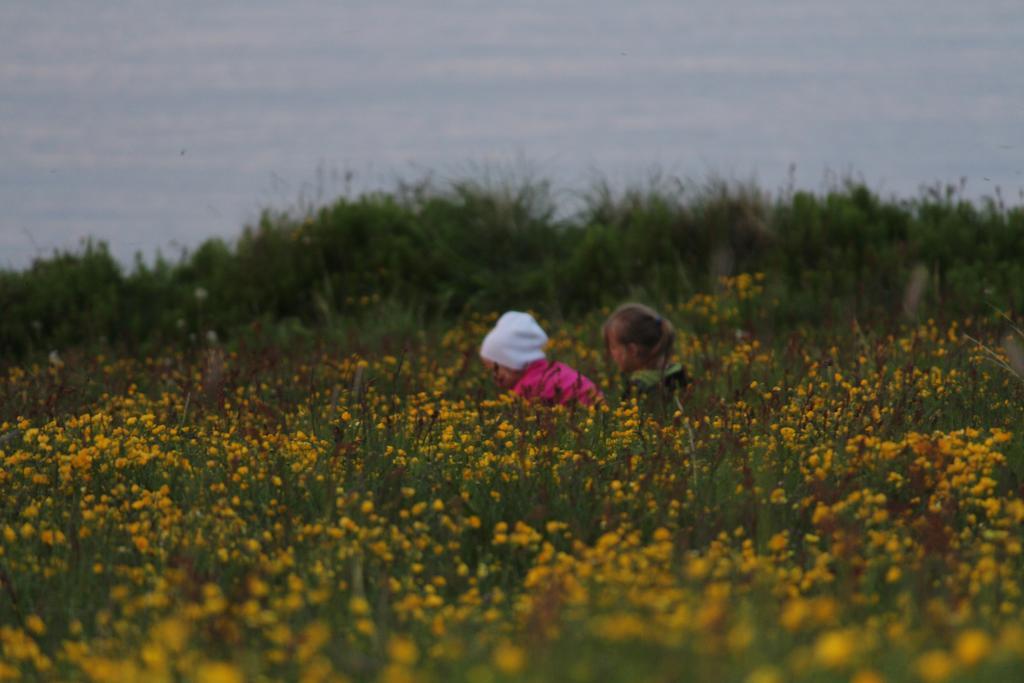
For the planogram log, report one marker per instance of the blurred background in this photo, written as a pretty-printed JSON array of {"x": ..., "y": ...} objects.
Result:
[{"x": 155, "y": 128}]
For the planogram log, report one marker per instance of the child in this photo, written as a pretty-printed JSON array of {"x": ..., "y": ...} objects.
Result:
[
  {"x": 640, "y": 342},
  {"x": 514, "y": 351}
]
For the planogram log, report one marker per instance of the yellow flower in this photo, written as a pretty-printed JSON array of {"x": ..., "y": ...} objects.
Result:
[
  {"x": 934, "y": 666},
  {"x": 359, "y": 606},
  {"x": 171, "y": 633},
  {"x": 867, "y": 676},
  {"x": 509, "y": 658},
  {"x": 34, "y": 624},
  {"x": 366, "y": 627},
  {"x": 834, "y": 649},
  {"x": 153, "y": 656},
  {"x": 403, "y": 650},
  {"x": 972, "y": 646},
  {"x": 219, "y": 672},
  {"x": 794, "y": 613},
  {"x": 314, "y": 637},
  {"x": 778, "y": 542}
]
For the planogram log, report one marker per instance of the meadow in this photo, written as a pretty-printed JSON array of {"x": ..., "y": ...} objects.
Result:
[
  {"x": 825, "y": 503},
  {"x": 279, "y": 458}
]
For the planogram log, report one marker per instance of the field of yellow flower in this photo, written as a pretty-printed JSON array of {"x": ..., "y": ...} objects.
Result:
[{"x": 826, "y": 505}]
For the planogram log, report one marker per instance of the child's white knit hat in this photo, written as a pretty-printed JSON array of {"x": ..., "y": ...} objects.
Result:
[{"x": 515, "y": 342}]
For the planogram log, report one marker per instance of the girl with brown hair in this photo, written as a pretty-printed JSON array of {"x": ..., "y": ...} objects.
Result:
[{"x": 641, "y": 342}]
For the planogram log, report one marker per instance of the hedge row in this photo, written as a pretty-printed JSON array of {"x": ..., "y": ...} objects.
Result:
[{"x": 847, "y": 251}]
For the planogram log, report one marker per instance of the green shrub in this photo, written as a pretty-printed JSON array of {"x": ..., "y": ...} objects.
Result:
[{"x": 485, "y": 246}]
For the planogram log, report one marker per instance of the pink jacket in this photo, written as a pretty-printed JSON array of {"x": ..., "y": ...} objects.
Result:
[{"x": 552, "y": 382}]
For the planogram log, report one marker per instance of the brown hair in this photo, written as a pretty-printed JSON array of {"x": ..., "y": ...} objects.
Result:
[{"x": 642, "y": 325}]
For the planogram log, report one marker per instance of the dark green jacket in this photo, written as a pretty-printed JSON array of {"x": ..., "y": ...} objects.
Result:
[
  {"x": 658, "y": 389},
  {"x": 646, "y": 381}
]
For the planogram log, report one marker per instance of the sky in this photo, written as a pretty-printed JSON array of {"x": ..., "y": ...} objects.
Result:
[{"x": 153, "y": 126}]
